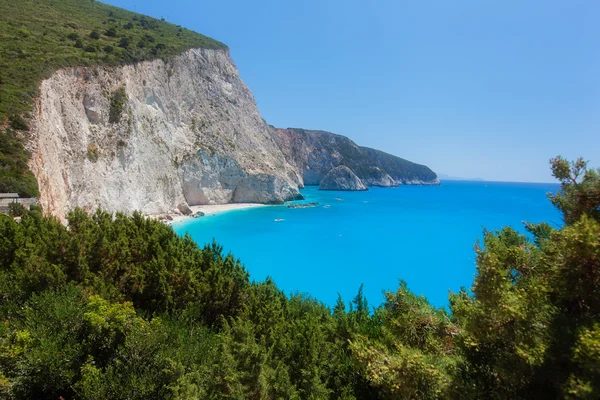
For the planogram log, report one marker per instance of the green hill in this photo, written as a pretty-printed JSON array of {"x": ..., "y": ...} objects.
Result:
[{"x": 38, "y": 37}]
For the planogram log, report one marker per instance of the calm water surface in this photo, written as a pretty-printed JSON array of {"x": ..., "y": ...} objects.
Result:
[{"x": 422, "y": 234}]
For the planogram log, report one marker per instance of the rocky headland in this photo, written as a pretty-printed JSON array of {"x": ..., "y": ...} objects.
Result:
[{"x": 314, "y": 153}]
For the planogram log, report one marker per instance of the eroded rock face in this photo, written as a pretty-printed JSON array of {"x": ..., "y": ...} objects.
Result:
[
  {"x": 375, "y": 176},
  {"x": 342, "y": 178},
  {"x": 210, "y": 179},
  {"x": 184, "y": 209},
  {"x": 188, "y": 132}
]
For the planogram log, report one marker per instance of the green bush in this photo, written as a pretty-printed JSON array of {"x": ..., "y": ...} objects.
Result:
[
  {"x": 118, "y": 100},
  {"x": 14, "y": 171},
  {"x": 16, "y": 209},
  {"x": 93, "y": 153},
  {"x": 111, "y": 32}
]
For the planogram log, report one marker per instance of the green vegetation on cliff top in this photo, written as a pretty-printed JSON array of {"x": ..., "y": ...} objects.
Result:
[{"x": 37, "y": 37}]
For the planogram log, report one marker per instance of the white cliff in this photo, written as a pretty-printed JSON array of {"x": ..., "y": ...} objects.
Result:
[{"x": 186, "y": 131}]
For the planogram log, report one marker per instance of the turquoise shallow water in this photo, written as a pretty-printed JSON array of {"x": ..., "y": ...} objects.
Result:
[{"x": 422, "y": 234}]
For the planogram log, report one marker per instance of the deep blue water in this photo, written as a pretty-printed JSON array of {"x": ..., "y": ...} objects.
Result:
[{"x": 422, "y": 234}]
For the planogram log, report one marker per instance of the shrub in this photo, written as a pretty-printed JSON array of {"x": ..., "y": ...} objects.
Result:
[
  {"x": 18, "y": 123},
  {"x": 117, "y": 102},
  {"x": 111, "y": 32},
  {"x": 124, "y": 43},
  {"x": 16, "y": 209},
  {"x": 92, "y": 152}
]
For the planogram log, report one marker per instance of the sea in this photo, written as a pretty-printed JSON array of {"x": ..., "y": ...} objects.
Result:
[{"x": 424, "y": 235}]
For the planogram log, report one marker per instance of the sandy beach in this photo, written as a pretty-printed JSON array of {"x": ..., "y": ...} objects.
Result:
[{"x": 209, "y": 210}]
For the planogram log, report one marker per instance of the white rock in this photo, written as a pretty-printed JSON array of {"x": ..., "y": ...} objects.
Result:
[{"x": 190, "y": 132}]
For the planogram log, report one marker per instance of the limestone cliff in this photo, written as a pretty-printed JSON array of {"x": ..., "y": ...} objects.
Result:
[
  {"x": 153, "y": 135},
  {"x": 158, "y": 136},
  {"x": 314, "y": 153}
]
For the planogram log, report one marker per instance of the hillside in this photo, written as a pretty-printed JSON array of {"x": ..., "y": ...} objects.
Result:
[
  {"x": 314, "y": 153},
  {"x": 39, "y": 37}
]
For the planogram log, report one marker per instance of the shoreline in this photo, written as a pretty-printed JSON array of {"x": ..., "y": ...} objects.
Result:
[{"x": 208, "y": 210}]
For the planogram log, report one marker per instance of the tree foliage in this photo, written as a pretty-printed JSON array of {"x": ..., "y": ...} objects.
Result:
[
  {"x": 116, "y": 306},
  {"x": 580, "y": 189}
]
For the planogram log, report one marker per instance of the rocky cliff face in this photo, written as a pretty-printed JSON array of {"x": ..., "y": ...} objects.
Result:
[
  {"x": 314, "y": 153},
  {"x": 342, "y": 178},
  {"x": 153, "y": 135}
]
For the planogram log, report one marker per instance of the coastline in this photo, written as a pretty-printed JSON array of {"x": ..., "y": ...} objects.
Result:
[{"x": 208, "y": 210}]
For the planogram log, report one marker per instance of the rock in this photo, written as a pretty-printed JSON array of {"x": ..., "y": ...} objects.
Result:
[
  {"x": 341, "y": 178},
  {"x": 184, "y": 208},
  {"x": 210, "y": 178},
  {"x": 378, "y": 177},
  {"x": 198, "y": 214},
  {"x": 305, "y": 205},
  {"x": 169, "y": 217}
]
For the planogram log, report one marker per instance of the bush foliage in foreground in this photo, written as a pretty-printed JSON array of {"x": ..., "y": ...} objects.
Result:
[{"x": 121, "y": 307}]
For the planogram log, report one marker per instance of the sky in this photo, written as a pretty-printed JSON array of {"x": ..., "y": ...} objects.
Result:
[{"x": 471, "y": 88}]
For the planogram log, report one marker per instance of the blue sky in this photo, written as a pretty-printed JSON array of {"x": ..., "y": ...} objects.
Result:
[{"x": 471, "y": 88}]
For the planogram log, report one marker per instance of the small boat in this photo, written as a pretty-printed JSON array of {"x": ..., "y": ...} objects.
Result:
[
  {"x": 338, "y": 198},
  {"x": 279, "y": 219},
  {"x": 326, "y": 206}
]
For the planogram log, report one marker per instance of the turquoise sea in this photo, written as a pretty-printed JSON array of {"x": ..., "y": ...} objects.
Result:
[{"x": 422, "y": 234}]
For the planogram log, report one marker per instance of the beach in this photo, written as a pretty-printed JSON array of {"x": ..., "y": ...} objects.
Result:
[{"x": 208, "y": 210}]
